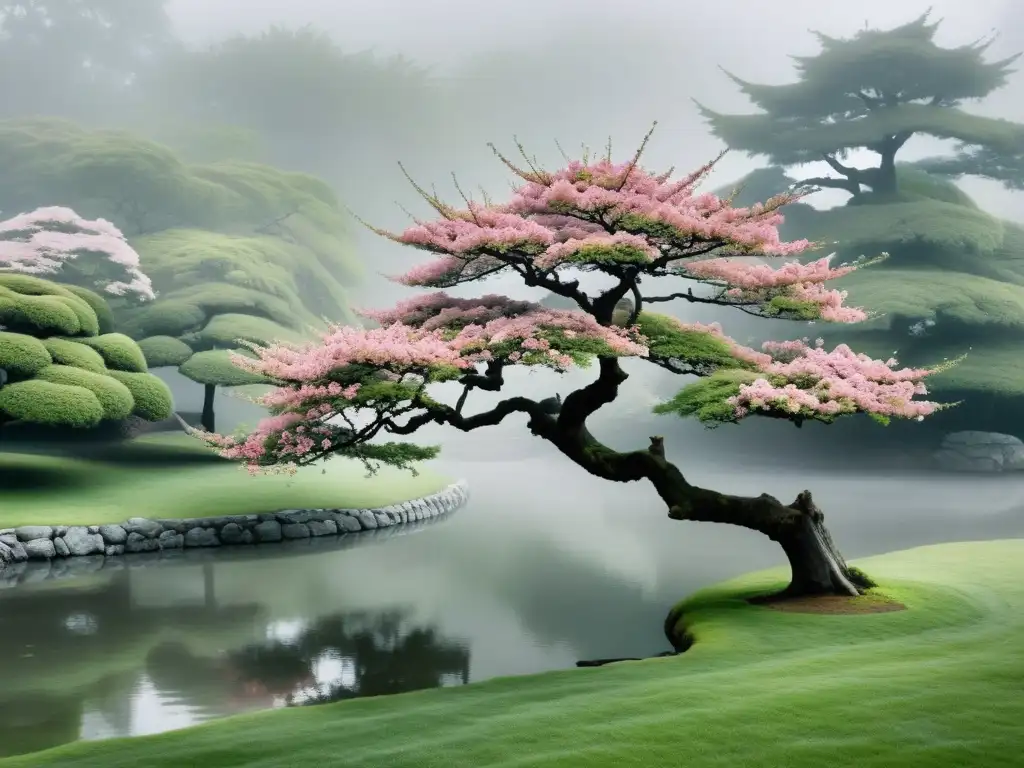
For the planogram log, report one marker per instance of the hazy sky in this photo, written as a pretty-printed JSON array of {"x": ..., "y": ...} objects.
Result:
[
  {"x": 682, "y": 44},
  {"x": 737, "y": 31}
]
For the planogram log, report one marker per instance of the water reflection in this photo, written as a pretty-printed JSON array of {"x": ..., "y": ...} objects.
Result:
[{"x": 530, "y": 576}]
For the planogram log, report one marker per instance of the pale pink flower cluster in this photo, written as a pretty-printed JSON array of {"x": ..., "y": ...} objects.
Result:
[
  {"x": 394, "y": 347},
  {"x": 802, "y": 282},
  {"x": 585, "y": 249},
  {"x": 757, "y": 276},
  {"x": 30, "y": 244},
  {"x": 810, "y": 380},
  {"x": 564, "y": 217},
  {"x": 424, "y": 333},
  {"x": 439, "y": 310},
  {"x": 618, "y": 190}
]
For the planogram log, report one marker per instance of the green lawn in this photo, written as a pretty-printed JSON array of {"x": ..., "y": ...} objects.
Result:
[
  {"x": 936, "y": 686},
  {"x": 170, "y": 476}
]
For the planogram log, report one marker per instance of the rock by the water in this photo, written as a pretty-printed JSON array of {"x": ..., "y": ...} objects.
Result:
[
  {"x": 113, "y": 550},
  {"x": 80, "y": 542},
  {"x": 202, "y": 537},
  {"x": 231, "y": 533},
  {"x": 33, "y": 532},
  {"x": 136, "y": 542},
  {"x": 61, "y": 547},
  {"x": 148, "y": 529},
  {"x": 973, "y": 451},
  {"x": 367, "y": 519},
  {"x": 40, "y": 549},
  {"x": 170, "y": 540},
  {"x": 347, "y": 524},
  {"x": 113, "y": 534},
  {"x": 268, "y": 530},
  {"x": 322, "y": 528},
  {"x": 295, "y": 531}
]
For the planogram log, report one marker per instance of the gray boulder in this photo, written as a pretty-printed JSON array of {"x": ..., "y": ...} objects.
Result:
[
  {"x": 972, "y": 451},
  {"x": 136, "y": 542},
  {"x": 40, "y": 549},
  {"x": 113, "y": 534},
  {"x": 170, "y": 540},
  {"x": 231, "y": 533},
  {"x": 367, "y": 519},
  {"x": 148, "y": 529},
  {"x": 202, "y": 537},
  {"x": 322, "y": 528},
  {"x": 33, "y": 532},
  {"x": 80, "y": 542},
  {"x": 348, "y": 524},
  {"x": 295, "y": 531},
  {"x": 61, "y": 547},
  {"x": 268, "y": 530}
]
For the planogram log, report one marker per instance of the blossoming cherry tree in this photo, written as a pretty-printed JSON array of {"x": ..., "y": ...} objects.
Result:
[{"x": 341, "y": 394}]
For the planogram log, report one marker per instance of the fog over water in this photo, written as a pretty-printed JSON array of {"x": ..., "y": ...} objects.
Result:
[{"x": 546, "y": 565}]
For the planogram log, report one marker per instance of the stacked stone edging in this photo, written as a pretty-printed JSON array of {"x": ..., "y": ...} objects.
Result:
[{"x": 137, "y": 535}]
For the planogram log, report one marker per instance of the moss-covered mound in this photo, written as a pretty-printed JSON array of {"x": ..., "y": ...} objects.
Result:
[
  {"x": 60, "y": 373},
  {"x": 162, "y": 351},
  {"x": 214, "y": 367},
  {"x": 235, "y": 250}
]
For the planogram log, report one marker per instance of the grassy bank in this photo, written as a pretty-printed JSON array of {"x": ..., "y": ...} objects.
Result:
[
  {"x": 937, "y": 685},
  {"x": 173, "y": 476}
]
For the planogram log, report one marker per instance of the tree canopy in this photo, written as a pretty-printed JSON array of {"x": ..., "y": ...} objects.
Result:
[
  {"x": 338, "y": 395},
  {"x": 876, "y": 90}
]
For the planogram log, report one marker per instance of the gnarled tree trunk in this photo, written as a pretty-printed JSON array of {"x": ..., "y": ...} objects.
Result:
[{"x": 816, "y": 564}]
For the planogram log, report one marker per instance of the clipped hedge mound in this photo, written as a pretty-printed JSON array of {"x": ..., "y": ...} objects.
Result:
[
  {"x": 22, "y": 356},
  {"x": 50, "y": 404},
  {"x": 215, "y": 367},
  {"x": 153, "y": 398},
  {"x": 119, "y": 352},
  {"x": 60, "y": 372},
  {"x": 162, "y": 351},
  {"x": 113, "y": 396},
  {"x": 67, "y": 352}
]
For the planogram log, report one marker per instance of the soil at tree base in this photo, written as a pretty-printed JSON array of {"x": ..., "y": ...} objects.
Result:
[{"x": 829, "y": 604}]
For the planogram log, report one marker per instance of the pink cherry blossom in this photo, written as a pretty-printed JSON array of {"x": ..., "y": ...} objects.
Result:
[
  {"x": 48, "y": 241},
  {"x": 620, "y": 219}
]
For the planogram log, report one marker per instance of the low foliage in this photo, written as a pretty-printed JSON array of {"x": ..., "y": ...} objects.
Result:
[{"x": 60, "y": 373}]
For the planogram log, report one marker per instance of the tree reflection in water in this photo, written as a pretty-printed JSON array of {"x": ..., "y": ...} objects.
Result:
[
  {"x": 338, "y": 657},
  {"x": 350, "y": 655}
]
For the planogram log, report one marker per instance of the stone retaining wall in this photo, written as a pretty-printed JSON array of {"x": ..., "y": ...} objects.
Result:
[{"x": 140, "y": 535}]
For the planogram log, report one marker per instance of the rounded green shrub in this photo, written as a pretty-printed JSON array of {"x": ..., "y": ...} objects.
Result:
[
  {"x": 67, "y": 352},
  {"x": 38, "y": 315},
  {"x": 162, "y": 351},
  {"x": 39, "y": 312},
  {"x": 22, "y": 356},
  {"x": 166, "y": 318},
  {"x": 215, "y": 367},
  {"x": 113, "y": 396},
  {"x": 153, "y": 399},
  {"x": 118, "y": 351},
  {"x": 104, "y": 315},
  {"x": 224, "y": 331},
  {"x": 49, "y": 404}
]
